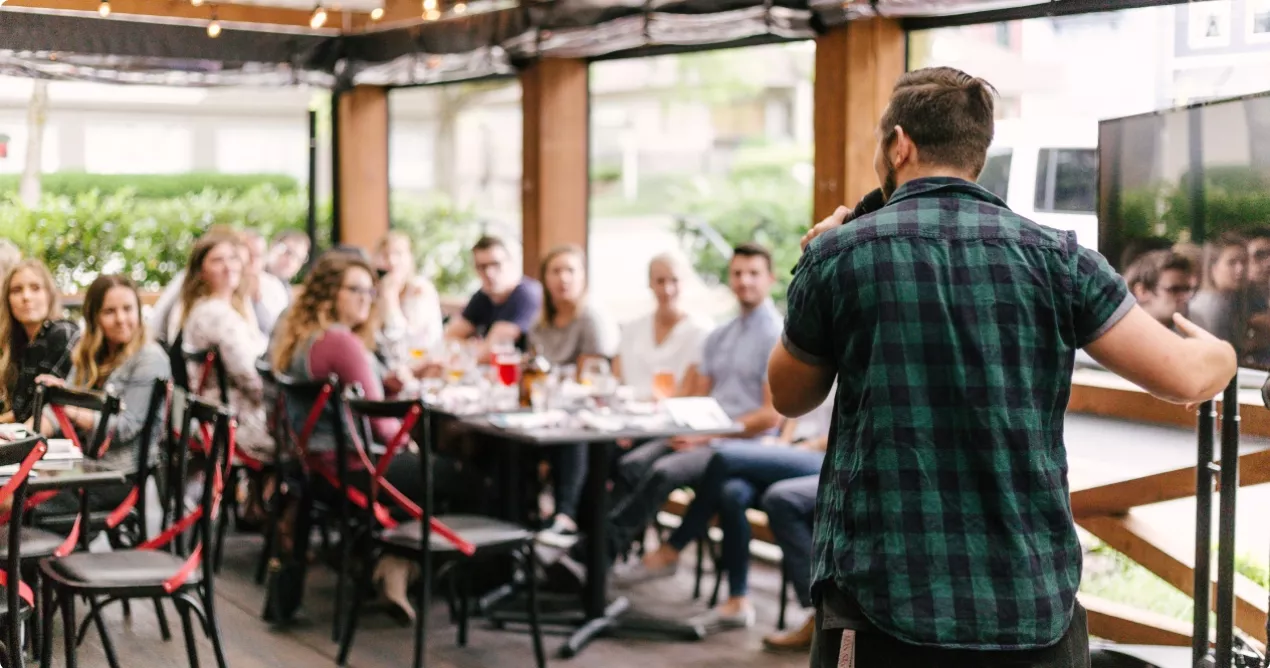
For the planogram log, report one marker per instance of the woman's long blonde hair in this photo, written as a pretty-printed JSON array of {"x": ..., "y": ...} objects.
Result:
[
  {"x": 314, "y": 310},
  {"x": 12, "y": 334},
  {"x": 549, "y": 308},
  {"x": 94, "y": 362},
  {"x": 194, "y": 289}
]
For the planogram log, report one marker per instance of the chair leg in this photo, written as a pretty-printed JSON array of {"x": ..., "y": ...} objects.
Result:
[
  {"x": 341, "y": 583},
  {"x": 464, "y": 577},
  {"x": 780, "y": 617},
  {"x": 95, "y": 610},
  {"x": 68, "y": 628},
  {"x": 37, "y": 623},
  {"x": 423, "y": 603},
  {"x": 350, "y": 624},
  {"x": 718, "y": 583},
  {"x": 191, "y": 650},
  {"x": 45, "y": 656},
  {"x": 529, "y": 564},
  {"x": 160, "y": 614},
  {"x": 701, "y": 566},
  {"x": 212, "y": 628}
]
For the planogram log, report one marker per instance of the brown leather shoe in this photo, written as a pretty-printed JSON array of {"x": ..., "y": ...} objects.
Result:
[{"x": 792, "y": 641}]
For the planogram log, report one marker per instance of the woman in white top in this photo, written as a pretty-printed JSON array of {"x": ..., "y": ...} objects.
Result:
[
  {"x": 409, "y": 307},
  {"x": 668, "y": 340}
]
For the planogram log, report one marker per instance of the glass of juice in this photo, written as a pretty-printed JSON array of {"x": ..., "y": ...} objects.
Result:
[{"x": 663, "y": 384}]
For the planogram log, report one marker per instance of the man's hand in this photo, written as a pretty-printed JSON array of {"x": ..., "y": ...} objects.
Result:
[
  {"x": 685, "y": 443},
  {"x": 1221, "y": 353},
  {"x": 836, "y": 219}
]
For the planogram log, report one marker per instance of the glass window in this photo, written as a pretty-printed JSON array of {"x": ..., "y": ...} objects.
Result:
[
  {"x": 995, "y": 177},
  {"x": 1066, "y": 180}
]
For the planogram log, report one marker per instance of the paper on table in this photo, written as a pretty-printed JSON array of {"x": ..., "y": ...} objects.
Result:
[
  {"x": 701, "y": 413},
  {"x": 527, "y": 420}
]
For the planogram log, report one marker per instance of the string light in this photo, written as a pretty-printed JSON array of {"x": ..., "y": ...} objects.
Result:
[
  {"x": 213, "y": 28},
  {"x": 375, "y": 14},
  {"x": 319, "y": 17},
  {"x": 429, "y": 5},
  {"x": 432, "y": 15},
  {"x": 196, "y": 3},
  {"x": 460, "y": 8},
  {"x": 104, "y": 8}
]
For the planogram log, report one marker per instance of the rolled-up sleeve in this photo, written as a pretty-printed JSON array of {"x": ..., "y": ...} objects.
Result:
[{"x": 808, "y": 322}]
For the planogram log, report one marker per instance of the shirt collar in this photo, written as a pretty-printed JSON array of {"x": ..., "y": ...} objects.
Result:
[
  {"x": 768, "y": 306},
  {"x": 943, "y": 185}
]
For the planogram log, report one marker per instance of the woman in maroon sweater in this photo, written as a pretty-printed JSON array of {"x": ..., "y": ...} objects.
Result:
[{"x": 330, "y": 330}]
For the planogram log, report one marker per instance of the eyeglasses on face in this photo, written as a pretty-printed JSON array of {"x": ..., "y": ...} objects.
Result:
[{"x": 359, "y": 291}]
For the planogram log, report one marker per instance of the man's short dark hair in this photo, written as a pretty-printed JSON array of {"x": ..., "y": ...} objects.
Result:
[
  {"x": 1257, "y": 233},
  {"x": 1140, "y": 246},
  {"x": 752, "y": 249},
  {"x": 290, "y": 235},
  {"x": 1147, "y": 269},
  {"x": 947, "y": 113},
  {"x": 488, "y": 242}
]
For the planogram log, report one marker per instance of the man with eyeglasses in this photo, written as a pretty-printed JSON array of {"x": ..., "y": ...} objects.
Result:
[
  {"x": 507, "y": 304},
  {"x": 1163, "y": 282}
]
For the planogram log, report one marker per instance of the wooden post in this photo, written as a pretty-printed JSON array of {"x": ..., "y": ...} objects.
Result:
[
  {"x": 362, "y": 162},
  {"x": 555, "y": 180},
  {"x": 857, "y": 66}
]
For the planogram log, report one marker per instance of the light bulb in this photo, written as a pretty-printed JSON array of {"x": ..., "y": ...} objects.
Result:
[
  {"x": 429, "y": 5},
  {"x": 196, "y": 3},
  {"x": 104, "y": 8},
  {"x": 377, "y": 13},
  {"x": 460, "y": 8},
  {"x": 213, "y": 29},
  {"x": 319, "y": 18},
  {"x": 432, "y": 15}
]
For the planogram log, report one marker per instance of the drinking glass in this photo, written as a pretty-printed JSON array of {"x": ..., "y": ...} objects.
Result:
[{"x": 663, "y": 384}]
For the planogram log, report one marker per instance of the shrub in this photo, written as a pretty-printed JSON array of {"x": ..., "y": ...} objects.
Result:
[
  {"x": 443, "y": 235},
  {"x": 151, "y": 186}
]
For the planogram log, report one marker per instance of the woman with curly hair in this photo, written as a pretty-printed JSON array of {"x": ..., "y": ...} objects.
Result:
[
  {"x": 34, "y": 339},
  {"x": 331, "y": 330}
]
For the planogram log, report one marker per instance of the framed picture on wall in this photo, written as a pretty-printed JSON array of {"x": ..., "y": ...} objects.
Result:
[
  {"x": 1257, "y": 23},
  {"x": 1208, "y": 25}
]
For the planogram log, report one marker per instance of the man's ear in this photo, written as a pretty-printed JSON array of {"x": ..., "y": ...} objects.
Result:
[{"x": 903, "y": 150}]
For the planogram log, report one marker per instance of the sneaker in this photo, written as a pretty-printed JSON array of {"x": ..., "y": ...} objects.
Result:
[
  {"x": 562, "y": 533},
  {"x": 792, "y": 641},
  {"x": 631, "y": 573},
  {"x": 713, "y": 620}
]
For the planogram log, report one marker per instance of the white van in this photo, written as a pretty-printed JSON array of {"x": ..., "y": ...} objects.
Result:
[{"x": 1047, "y": 171}]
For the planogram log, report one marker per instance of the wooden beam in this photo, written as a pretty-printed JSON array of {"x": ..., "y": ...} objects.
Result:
[
  {"x": 556, "y": 117},
  {"x": 857, "y": 66},
  {"x": 363, "y": 165},
  {"x": 225, "y": 13},
  {"x": 1172, "y": 557},
  {"x": 1119, "y": 497},
  {"x": 1101, "y": 393},
  {"x": 1124, "y": 624}
]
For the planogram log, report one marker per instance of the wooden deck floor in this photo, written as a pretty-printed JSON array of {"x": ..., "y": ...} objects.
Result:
[{"x": 381, "y": 644}]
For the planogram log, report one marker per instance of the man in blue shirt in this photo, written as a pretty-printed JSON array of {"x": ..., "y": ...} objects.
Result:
[
  {"x": 507, "y": 304},
  {"x": 734, "y": 372}
]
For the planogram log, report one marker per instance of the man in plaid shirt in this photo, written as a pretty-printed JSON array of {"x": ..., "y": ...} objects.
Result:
[{"x": 944, "y": 534}]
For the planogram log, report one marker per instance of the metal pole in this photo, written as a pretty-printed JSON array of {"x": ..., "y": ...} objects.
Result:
[
  {"x": 1226, "y": 524},
  {"x": 1204, "y": 470},
  {"x": 336, "y": 184},
  {"x": 311, "y": 221}
]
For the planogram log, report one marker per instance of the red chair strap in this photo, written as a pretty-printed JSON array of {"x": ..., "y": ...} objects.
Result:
[
  {"x": 310, "y": 422},
  {"x": 173, "y": 531},
  {"x": 24, "y": 591},
  {"x": 398, "y": 440},
  {"x": 24, "y": 470},
  {"x": 205, "y": 372},
  {"x": 120, "y": 513},
  {"x": 68, "y": 429},
  {"x": 173, "y": 583},
  {"x": 72, "y": 538}
]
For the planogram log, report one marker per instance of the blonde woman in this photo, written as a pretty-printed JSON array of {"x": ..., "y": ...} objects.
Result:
[
  {"x": 112, "y": 355},
  {"x": 34, "y": 340},
  {"x": 409, "y": 307},
  {"x": 216, "y": 314},
  {"x": 667, "y": 341}
]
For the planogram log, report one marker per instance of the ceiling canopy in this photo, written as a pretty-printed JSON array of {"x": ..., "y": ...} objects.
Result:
[{"x": 409, "y": 42}]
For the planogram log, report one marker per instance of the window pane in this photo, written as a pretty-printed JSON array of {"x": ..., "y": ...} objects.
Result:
[
  {"x": 995, "y": 176},
  {"x": 1076, "y": 180},
  {"x": 1044, "y": 195}
]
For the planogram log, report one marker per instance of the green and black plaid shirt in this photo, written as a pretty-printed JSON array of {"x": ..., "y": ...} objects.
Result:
[{"x": 953, "y": 325}]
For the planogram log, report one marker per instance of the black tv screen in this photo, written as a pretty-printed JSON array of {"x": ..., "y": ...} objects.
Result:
[{"x": 1184, "y": 215}]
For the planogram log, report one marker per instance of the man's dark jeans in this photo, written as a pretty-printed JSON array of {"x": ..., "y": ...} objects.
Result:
[{"x": 874, "y": 649}]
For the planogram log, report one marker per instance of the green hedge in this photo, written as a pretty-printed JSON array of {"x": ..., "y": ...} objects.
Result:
[
  {"x": 91, "y": 233},
  {"x": 151, "y": 186}
]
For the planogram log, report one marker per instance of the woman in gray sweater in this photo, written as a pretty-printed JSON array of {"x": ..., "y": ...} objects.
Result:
[{"x": 115, "y": 356}]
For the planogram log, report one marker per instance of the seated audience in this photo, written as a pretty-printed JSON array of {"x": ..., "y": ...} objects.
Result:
[
  {"x": 270, "y": 296},
  {"x": 570, "y": 331},
  {"x": 735, "y": 480},
  {"x": 409, "y": 307},
  {"x": 34, "y": 339},
  {"x": 288, "y": 255},
  {"x": 791, "y": 510},
  {"x": 115, "y": 356},
  {"x": 666, "y": 341},
  {"x": 507, "y": 304},
  {"x": 331, "y": 330},
  {"x": 1162, "y": 282},
  {"x": 215, "y": 313},
  {"x": 733, "y": 372}
]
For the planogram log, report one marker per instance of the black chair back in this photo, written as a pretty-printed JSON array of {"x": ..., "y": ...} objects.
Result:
[
  {"x": 104, "y": 403},
  {"x": 23, "y": 454},
  {"x": 149, "y": 463},
  {"x": 210, "y": 366}
]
